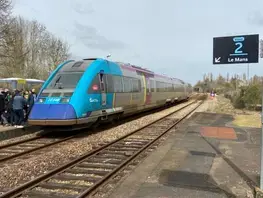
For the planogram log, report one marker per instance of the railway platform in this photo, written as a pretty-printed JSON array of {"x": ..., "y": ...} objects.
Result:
[
  {"x": 206, "y": 156},
  {"x": 12, "y": 132}
]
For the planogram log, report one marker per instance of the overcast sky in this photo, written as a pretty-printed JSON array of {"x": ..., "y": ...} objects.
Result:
[{"x": 171, "y": 37}]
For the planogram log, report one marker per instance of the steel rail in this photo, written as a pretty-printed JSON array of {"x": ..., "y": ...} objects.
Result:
[
  {"x": 117, "y": 169},
  {"x": 33, "y": 149},
  {"x": 33, "y": 183}
]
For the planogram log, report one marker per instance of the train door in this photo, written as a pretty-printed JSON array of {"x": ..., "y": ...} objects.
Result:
[
  {"x": 103, "y": 89},
  {"x": 148, "y": 91}
]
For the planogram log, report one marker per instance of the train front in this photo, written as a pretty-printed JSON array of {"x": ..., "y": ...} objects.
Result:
[{"x": 53, "y": 106}]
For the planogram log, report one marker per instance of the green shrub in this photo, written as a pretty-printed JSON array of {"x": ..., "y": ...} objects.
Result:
[
  {"x": 248, "y": 96},
  {"x": 252, "y": 95},
  {"x": 238, "y": 102}
]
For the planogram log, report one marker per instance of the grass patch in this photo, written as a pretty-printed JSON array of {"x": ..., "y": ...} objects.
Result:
[{"x": 253, "y": 120}]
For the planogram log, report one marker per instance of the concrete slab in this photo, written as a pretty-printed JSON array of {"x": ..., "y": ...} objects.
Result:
[
  {"x": 192, "y": 164},
  {"x": 12, "y": 132}
]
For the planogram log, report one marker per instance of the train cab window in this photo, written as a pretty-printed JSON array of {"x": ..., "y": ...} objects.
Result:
[
  {"x": 77, "y": 64},
  {"x": 65, "y": 80}
]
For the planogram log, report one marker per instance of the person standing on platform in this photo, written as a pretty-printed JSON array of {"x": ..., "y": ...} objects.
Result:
[
  {"x": 10, "y": 109},
  {"x": 2, "y": 106},
  {"x": 30, "y": 102},
  {"x": 18, "y": 104},
  {"x": 33, "y": 91}
]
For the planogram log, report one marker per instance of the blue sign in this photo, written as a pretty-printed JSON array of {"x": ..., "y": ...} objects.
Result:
[
  {"x": 53, "y": 100},
  {"x": 236, "y": 49}
]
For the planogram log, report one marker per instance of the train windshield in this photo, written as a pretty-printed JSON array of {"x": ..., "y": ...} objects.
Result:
[{"x": 65, "y": 80}]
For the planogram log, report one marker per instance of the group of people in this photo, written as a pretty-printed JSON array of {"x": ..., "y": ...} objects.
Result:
[{"x": 15, "y": 107}]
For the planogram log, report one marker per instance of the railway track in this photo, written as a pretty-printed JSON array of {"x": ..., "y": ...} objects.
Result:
[
  {"x": 84, "y": 175},
  {"x": 23, "y": 147}
]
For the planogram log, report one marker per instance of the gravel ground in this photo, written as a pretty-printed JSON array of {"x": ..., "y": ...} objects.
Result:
[{"x": 25, "y": 170}]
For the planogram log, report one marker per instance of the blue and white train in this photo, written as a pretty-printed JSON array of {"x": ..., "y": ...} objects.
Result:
[{"x": 81, "y": 93}]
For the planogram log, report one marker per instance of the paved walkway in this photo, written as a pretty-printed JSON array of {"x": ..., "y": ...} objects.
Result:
[
  {"x": 12, "y": 132},
  {"x": 3, "y": 129},
  {"x": 205, "y": 157}
]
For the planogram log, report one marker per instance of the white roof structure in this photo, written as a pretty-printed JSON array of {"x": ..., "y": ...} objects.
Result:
[{"x": 9, "y": 80}]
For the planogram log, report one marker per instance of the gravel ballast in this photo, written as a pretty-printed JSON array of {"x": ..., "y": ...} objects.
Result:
[{"x": 25, "y": 170}]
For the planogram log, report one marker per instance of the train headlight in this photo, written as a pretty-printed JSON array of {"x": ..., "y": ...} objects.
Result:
[
  {"x": 64, "y": 100},
  {"x": 41, "y": 100}
]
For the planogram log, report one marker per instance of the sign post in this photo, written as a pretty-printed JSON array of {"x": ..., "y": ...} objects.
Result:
[
  {"x": 261, "y": 48},
  {"x": 261, "y": 166},
  {"x": 248, "y": 73},
  {"x": 238, "y": 50}
]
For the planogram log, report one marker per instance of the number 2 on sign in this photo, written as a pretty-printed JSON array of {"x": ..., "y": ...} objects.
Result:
[{"x": 240, "y": 45}]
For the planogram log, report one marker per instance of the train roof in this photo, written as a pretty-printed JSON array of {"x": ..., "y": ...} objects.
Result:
[{"x": 137, "y": 68}]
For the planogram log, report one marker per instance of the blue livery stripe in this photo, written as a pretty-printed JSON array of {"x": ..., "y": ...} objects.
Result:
[
  {"x": 52, "y": 112},
  {"x": 81, "y": 99}
]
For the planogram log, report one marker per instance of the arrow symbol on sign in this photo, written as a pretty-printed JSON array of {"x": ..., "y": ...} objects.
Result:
[{"x": 217, "y": 60}]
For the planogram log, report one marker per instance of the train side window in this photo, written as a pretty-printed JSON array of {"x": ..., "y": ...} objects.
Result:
[
  {"x": 139, "y": 85},
  {"x": 160, "y": 87},
  {"x": 152, "y": 83},
  {"x": 117, "y": 84},
  {"x": 173, "y": 87},
  {"x": 157, "y": 86},
  {"x": 110, "y": 84},
  {"x": 170, "y": 87},
  {"x": 127, "y": 84},
  {"x": 136, "y": 85},
  {"x": 163, "y": 87}
]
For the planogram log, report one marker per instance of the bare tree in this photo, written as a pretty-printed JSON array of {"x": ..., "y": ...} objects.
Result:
[
  {"x": 13, "y": 52},
  {"x": 28, "y": 50},
  {"x": 5, "y": 11},
  {"x": 58, "y": 52}
]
